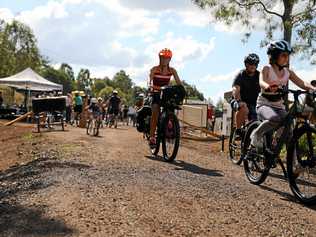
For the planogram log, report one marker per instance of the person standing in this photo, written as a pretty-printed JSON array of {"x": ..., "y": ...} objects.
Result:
[
  {"x": 78, "y": 107},
  {"x": 69, "y": 103}
]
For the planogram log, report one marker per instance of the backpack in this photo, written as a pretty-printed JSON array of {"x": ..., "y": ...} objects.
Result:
[{"x": 141, "y": 116}]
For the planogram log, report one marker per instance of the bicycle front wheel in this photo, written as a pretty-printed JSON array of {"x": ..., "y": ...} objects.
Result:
[
  {"x": 256, "y": 165},
  {"x": 170, "y": 137},
  {"x": 96, "y": 128},
  {"x": 301, "y": 165},
  {"x": 90, "y": 127}
]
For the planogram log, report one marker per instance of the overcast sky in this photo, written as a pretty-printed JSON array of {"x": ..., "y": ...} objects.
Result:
[{"x": 108, "y": 35}]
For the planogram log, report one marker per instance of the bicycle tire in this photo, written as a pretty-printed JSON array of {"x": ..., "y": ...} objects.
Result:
[
  {"x": 96, "y": 129},
  {"x": 235, "y": 160},
  {"x": 176, "y": 128},
  {"x": 294, "y": 152},
  {"x": 249, "y": 163},
  {"x": 88, "y": 127}
]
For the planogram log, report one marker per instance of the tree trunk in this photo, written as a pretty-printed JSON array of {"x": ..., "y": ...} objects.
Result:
[{"x": 287, "y": 31}]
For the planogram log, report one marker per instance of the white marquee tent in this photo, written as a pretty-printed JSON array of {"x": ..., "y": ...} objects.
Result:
[{"x": 30, "y": 81}]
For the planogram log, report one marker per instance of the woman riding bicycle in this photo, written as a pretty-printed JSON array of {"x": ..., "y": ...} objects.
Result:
[
  {"x": 270, "y": 104},
  {"x": 160, "y": 76}
]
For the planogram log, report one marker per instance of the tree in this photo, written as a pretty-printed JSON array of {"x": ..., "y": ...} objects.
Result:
[
  {"x": 98, "y": 85},
  {"x": 106, "y": 92},
  {"x": 84, "y": 82},
  {"x": 123, "y": 81},
  {"x": 67, "y": 69},
  {"x": 59, "y": 77},
  {"x": 297, "y": 21},
  {"x": 220, "y": 104},
  {"x": 18, "y": 49}
]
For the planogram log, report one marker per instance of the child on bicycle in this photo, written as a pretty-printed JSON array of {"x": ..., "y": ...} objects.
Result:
[
  {"x": 270, "y": 103},
  {"x": 95, "y": 111}
]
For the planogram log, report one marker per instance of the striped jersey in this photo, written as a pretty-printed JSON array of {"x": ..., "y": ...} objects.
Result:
[{"x": 159, "y": 79}]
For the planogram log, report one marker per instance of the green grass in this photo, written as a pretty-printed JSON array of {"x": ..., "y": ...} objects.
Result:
[{"x": 28, "y": 136}]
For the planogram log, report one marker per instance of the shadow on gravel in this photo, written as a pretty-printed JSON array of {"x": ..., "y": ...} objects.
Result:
[
  {"x": 287, "y": 197},
  {"x": 31, "y": 176},
  {"x": 182, "y": 165},
  {"x": 16, "y": 220}
]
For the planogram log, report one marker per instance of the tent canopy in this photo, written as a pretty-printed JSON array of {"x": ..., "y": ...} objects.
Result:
[{"x": 30, "y": 80}]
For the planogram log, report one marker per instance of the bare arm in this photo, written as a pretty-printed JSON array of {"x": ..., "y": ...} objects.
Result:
[
  {"x": 151, "y": 77},
  {"x": 299, "y": 82},
  {"x": 236, "y": 92},
  {"x": 176, "y": 76},
  {"x": 263, "y": 78}
]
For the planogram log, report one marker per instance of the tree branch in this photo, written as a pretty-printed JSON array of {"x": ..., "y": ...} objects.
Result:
[
  {"x": 298, "y": 17},
  {"x": 258, "y": 3}
]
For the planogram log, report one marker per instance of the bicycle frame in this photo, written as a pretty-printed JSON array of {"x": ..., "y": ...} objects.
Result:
[{"x": 288, "y": 124}]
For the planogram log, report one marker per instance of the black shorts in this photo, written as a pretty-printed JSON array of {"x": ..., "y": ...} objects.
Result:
[
  {"x": 155, "y": 98},
  {"x": 78, "y": 109},
  {"x": 113, "y": 111},
  {"x": 252, "y": 115}
]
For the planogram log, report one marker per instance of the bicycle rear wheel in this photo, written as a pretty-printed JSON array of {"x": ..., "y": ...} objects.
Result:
[
  {"x": 256, "y": 166},
  {"x": 301, "y": 165},
  {"x": 170, "y": 137},
  {"x": 235, "y": 148}
]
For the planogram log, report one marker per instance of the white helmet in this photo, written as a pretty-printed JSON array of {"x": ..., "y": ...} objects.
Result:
[
  {"x": 94, "y": 100},
  {"x": 115, "y": 92}
]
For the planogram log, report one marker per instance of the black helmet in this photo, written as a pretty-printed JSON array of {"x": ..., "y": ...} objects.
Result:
[
  {"x": 277, "y": 47},
  {"x": 252, "y": 59}
]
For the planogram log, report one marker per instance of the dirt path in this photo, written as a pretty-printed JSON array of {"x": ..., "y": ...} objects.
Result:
[{"x": 109, "y": 186}]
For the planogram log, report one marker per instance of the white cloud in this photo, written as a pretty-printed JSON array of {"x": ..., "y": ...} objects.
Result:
[
  {"x": 220, "y": 78},
  {"x": 89, "y": 14},
  {"x": 185, "y": 49},
  {"x": 6, "y": 14}
]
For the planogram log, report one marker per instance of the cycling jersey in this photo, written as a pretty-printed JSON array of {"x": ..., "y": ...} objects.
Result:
[
  {"x": 249, "y": 87},
  {"x": 78, "y": 100},
  {"x": 95, "y": 109},
  {"x": 274, "y": 99},
  {"x": 160, "y": 79}
]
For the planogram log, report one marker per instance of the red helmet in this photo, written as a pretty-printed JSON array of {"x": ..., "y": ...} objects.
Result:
[{"x": 165, "y": 53}]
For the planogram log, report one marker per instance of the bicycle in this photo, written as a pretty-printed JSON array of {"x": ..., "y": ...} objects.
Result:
[
  {"x": 235, "y": 145},
  {"x": 300, "y": 155},
  {"x": 93, "y": 125},
  {"x": 168, "y": 127}
]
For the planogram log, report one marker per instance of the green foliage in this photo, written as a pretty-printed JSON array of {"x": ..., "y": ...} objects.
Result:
[
  {"x": 191, "y": 91},
  {"x": 59, "y": 77},
  {"x": 298, "y": 27},
  {"x": 220, "y": 104},
  {"x": 18, "y": 49},
  {"x": 84, "y": 82},
  {"x": 106, "y": 92},
  {"x": 123, "y": 81}
]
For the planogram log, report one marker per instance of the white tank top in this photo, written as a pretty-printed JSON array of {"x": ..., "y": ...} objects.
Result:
[{"x": 273, "y": 79}]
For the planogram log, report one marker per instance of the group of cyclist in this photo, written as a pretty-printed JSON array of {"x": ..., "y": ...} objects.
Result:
[
  {"x": 257, "y": 95},
  {"x": 105, "y": 110}
]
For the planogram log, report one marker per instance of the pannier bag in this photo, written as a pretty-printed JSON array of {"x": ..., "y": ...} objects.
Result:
[{"x": 141, "y": 115}]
